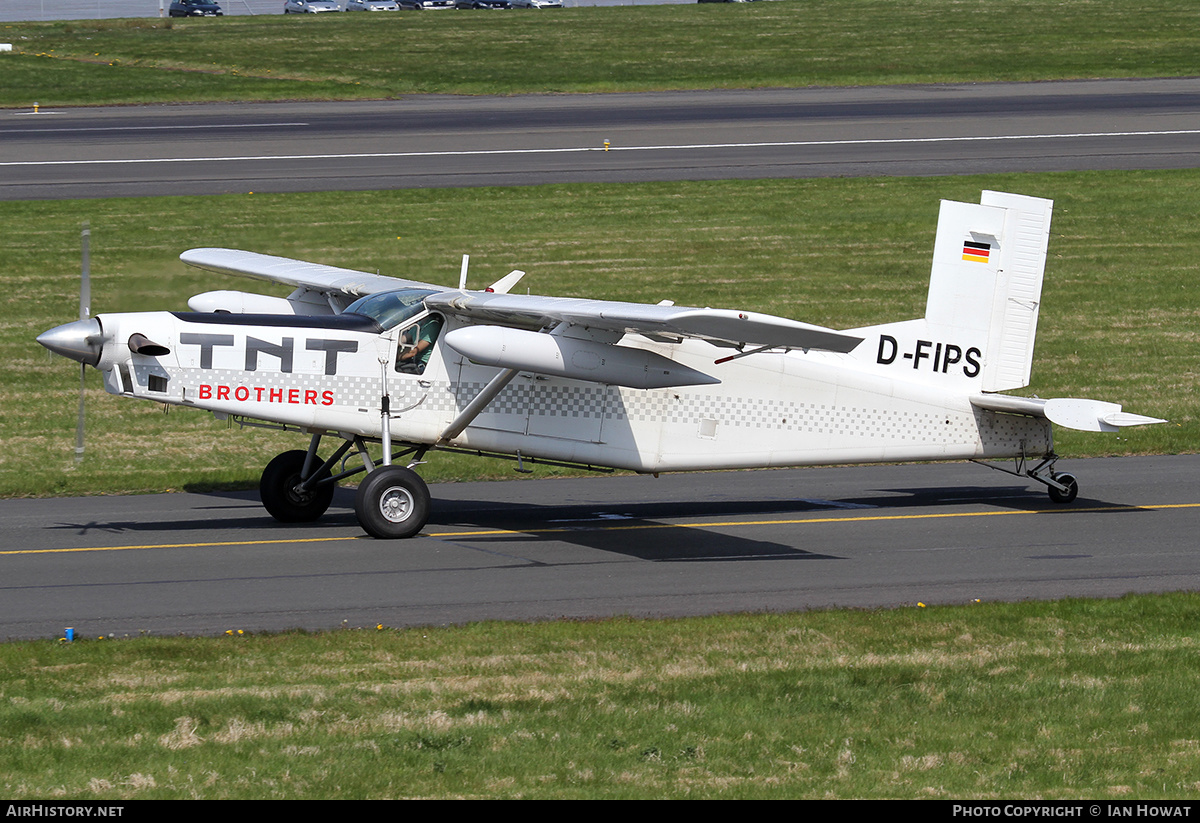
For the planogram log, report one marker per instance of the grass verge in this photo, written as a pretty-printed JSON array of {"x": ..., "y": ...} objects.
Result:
[
  {"x": 814, "y": 42},
  {"x": 1120, "y": 318},
  {"x": 1065, "y": 700}
]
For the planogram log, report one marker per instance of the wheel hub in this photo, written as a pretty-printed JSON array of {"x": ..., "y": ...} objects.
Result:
[
  {"x": 295, "y": 494},
  {"x": 396, "y": 504}
]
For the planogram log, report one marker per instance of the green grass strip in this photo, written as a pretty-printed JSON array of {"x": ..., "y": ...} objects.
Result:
[
  {"x": 791, "y": 43},
  {"x": 1068, "y": 700}
]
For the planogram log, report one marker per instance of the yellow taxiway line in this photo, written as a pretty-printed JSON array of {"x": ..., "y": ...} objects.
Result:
[{"x": 610, "y": 526}]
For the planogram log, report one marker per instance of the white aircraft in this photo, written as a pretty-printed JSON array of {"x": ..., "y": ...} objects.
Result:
[{"x": 358, "y": 358}]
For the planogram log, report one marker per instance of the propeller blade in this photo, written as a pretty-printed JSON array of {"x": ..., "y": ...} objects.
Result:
[{"x": 85, "y": 311}]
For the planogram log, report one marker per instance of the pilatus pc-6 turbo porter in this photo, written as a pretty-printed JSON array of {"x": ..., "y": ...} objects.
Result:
[{"x": 357, "y": 358}]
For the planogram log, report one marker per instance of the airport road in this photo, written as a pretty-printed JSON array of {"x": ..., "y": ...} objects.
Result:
[
  {"x": 686, "y": 544},
  {"x": 447, "y": 141}
]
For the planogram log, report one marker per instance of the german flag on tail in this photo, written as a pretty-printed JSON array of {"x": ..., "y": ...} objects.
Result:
[{"x": 976, "y": 252}]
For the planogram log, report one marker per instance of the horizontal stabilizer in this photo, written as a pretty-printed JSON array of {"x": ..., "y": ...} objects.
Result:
[
  {"x": 1032, "y": 406},
  {"x": 1123, "y": 419},
  {"x": 1069, "y": 412},
  {"x": 1092, "y": 415}
]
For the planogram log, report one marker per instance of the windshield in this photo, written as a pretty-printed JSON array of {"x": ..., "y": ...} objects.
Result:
[{"x": 391, "y": 308}]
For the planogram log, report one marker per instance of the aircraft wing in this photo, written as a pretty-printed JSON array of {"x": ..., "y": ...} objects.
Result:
[
  {"x": 716, "y": 325},
  {"x": 531, "y": 311},
  {"x": 309, "y": 276}
]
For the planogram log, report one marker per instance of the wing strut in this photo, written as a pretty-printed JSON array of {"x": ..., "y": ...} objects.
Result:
[
  {"x": 742, "y": 354},
  {"x": 485, "y": 396}
]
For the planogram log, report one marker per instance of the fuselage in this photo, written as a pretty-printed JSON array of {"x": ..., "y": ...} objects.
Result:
[
  {"x": 602, "y": 383},
  {"x": 769, "y": 409}
]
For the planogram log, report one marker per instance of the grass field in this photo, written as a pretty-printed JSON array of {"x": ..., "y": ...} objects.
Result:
[
  {"x": 790, "y": 43},
  {"x": 1070, "y": 700}
]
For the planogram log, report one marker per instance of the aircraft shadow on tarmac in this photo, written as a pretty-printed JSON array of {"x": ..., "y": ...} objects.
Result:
[
  {"x": 659, "y": 530},
  {"x": 667, "y": 531}
]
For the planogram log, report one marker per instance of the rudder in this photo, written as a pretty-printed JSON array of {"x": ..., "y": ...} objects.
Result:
[{"x": 986, "y": 282}]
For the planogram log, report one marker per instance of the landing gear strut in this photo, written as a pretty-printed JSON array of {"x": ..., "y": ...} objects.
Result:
[
  {"x": 392, "y": 502},
  {"x": 1062, "y": 487}
]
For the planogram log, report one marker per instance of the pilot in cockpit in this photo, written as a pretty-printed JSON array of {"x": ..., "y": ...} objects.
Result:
[{"x": 416, "y": 344}]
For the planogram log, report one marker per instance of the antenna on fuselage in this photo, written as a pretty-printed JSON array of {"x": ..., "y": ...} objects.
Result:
[{"x": 462, "y": 275}]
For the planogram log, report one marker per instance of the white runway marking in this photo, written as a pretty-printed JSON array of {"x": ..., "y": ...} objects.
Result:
[
  {"x": 176, "y": 127},
  {"x": 582, "y": 149}
]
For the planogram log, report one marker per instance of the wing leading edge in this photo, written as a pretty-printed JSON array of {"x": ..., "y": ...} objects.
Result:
[
  {"x": 722, "y": 326},
  {"x": 299, "y": 273}
]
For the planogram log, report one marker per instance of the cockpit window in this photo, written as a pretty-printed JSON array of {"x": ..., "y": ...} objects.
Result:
[
  {"x": 416, "y": 344},
  {"x": 391, "y": 308}
]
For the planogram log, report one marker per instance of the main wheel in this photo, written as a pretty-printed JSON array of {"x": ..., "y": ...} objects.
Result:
[
  {"x": 393, "y": 502},
  {"x": 1067, "y": 496},
  {"x": 280, "y": 495}
]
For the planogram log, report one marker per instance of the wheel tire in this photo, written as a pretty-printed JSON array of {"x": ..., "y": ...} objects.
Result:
[
  {"x": 392, "y": 503},
  {"x": 277, "y": 488},
  {"x": 1067, "y": 496}
]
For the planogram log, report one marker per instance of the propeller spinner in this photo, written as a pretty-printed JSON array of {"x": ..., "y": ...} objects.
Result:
[{"x": 81, "y": 340}]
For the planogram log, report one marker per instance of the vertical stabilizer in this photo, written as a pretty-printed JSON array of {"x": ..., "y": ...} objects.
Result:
[{"x": 986, "y": 282}]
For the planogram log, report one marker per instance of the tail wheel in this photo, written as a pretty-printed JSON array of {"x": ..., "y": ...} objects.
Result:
[
  {"x": 392, "y": 503},
  {"x": 1071, "y": 492},
  {"x": 281, "y": 496}
]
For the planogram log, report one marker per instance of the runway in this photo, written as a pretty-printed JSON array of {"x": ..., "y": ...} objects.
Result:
[
  {"x": 447, "y": 141},
  {"x": 691, "y": 544}
]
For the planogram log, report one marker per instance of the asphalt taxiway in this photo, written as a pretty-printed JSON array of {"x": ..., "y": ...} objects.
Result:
[
  {"x": 431, "y": 141},
  {"x": 688, "y": 544}
]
